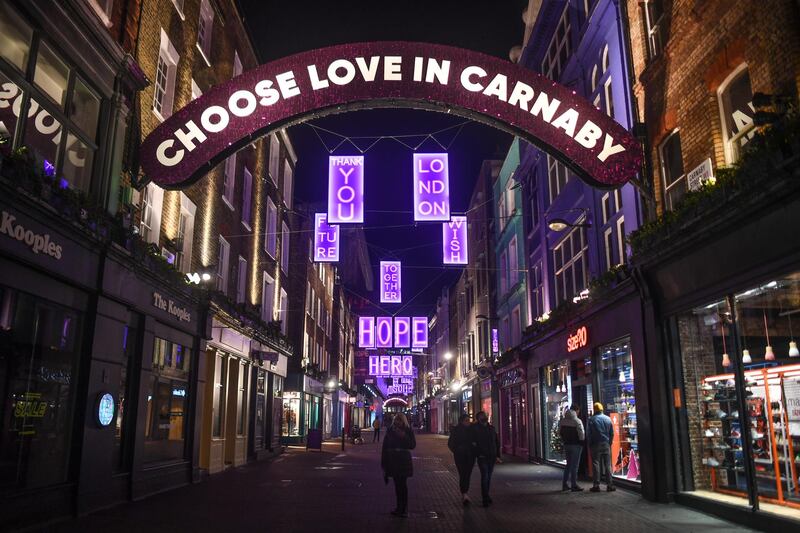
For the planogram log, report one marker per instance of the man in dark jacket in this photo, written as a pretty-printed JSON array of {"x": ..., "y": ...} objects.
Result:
[
  {"x": 460, "y": 443},
  {"x": 600, "y": 435},
  {"x": 487, "y": 451},
  {"x": 396, "y": 460},
  {"x": 571, "y": 430}
]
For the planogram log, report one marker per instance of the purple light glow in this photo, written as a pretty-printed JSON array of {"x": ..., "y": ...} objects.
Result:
[
  {"x": 366, "y": 332},
  {"x": 419, "y": 332},
  {"x": 495, "y": 342},
  {"x": 454, "y": 241},
  {"x": 383, "y": 332},
  {"x": 391, "y": 366},
  {"x": 390, "y": 282},
  {"x": 402, "y": 332},
  {"x": 431, "y": 187},
  {"x": 346, "y": 189},
  {"x": 326, "y": 240}
]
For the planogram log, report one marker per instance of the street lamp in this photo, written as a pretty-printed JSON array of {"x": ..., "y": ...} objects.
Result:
[
  {"x": 448, "y": 356},
  {"x": 559, "y": 224}
]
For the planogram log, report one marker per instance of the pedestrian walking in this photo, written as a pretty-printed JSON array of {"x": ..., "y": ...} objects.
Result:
[
  {"x": 572, "y": 435},
  {"x": 487, "y": 452},
  {"x": 461, "y": 444},
  {"x": 600, "y": 434},
  {"x": 396, "y": 460},
  {"x": 376, "y": 430}
]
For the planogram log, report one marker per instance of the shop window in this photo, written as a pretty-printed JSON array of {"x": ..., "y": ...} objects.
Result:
[
  {"x": 223, "y": 261},
  {"x": 274, "y": 158},
  {"x": 558, "y": 176},
  {"x": 672, "y": 170},
  {"x": 570, "y": 264},
  {"x": 241, "y": 280},
  {"x": 616, "y": 392},
  {"x": 271, "y": 229},
  {"x": 39, "y": 351},
  {"x": 247, "y": 198},
  {"x": 290, "y": 423},
  {"x": 229, "y": 180},
  {"x": 267, "y": 298},
  {"x": 736, "y": 108},
  {"x": 152, "y": 202},
  {"x": 241, "y": 420},
  {"x": 655, "y": 26},
  {"x": 15, "y": 38},
  {"x": 288, "y": 185},
  {"x": 218, "y": 399},
  {"x": 185, "y": 234},
  {"x": 167, "y": 402},
  {"x": 130, "y": 351},
  {"x": 557, "y": 396},
  {"x": 285, "y": 248},
  {"x": 559, "y": 49},
  {"x": 205, "y": 27},
  {"x": 164, "y": 85}
]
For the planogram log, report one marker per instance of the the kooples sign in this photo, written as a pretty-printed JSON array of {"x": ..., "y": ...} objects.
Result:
[
  {"x": 39, "y": 243},
  {"x": 578, "y": 340},
  {"x": 389, "y": 74},
  {"x": 181, "y": 313}
]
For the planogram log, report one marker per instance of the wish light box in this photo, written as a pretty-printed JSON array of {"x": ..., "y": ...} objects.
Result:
[
  {"x": 454, "y": 241},
  {"x": 431, "y": 188},
  {"x": 346, "y": 189}
]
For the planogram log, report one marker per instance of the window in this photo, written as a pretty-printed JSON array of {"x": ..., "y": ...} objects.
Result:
[
  {"x": 594, "y": 78},
  {"x": 672, "y": 170},
  {"x": 284, "y": 310},
  {"x": 241, "y": 280},
  {"x": 309, "y": 292},
  {"x": 229, "y": 180},
  {"x": 223, "y": 258},
  {"x": 608, "y": 239},
  {"x": 513, "y": 262},
  {"x": 164, "y": 86},
  {"x": 511, "y": 202},
  {"x": 196, "y": 92},
  {"x": 604, "y": 59},
  {"x": 559, "y": 50},
  {"x": 167, "y": 402},
  {"x": 503, "y": 266},
  {"x": 736, "y": 108},
  {"x": 271, "y": 229},
  {"x": 570, "y": 262},
  {"x": 621, "y": 240},
  {"x": 103, "y": 9},
  {"x": 618, "y": 199},
  {"x": 220, "y": 377},
  {"x": 205, "y": 27},
  {"x": 537, "y": 293},
  {"x": 247, "y": 197},
  {"x": 558, "y": 175},
  {"x": 15, "y": 38},
  {"x": 152, "y": 201},
  {"x": 501, "y": 212},
  {"x": 274, "y": 157},
  {"x": 606, "y": 207},
  {"x": 241, "y": 421},
  {"x": 655, "y": 25},
  {"x": 288, "y": 185},
  {"x": 179, "y": 8},
  {"x": 267, "y": 298},
  {"x": 285, "y": 248},
  {"x": 609, "y": 98},
  {"x": 185, "y": 235},
  {"x": 122, "y": 424},
  {"x": 516, "y": 326},
  {"x": 237, "y": 64}
]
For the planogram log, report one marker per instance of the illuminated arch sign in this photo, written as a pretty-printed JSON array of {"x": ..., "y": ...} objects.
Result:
[{"x": 389, "y": 74}]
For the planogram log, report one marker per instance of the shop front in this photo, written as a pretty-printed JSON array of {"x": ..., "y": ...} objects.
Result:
[
  {"x": 485, "y": 396},
  {"x": 513, "y": 423},
  {"x": 269, "y": 371},
  {"x": 302, "y": 408}
]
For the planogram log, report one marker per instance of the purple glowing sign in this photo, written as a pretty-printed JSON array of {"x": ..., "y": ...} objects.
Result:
[
  {"x": 454, "y": 241},
  {"x": 326, "y": 240},
  {"x": 228, "y": 117},
  {"x": 402, "y": 332},
  {"x": 391, "y": 366},
  {"x": 383, "y": 332},
  {"x": 390, "y": 282},
  {"x": 495, "y": 342},
  {"x": 431, "y": 187},
  {"x": 346, "y": 189},
  {"x": 419, "y": 332},
  {"x": 366, "y": 332}
]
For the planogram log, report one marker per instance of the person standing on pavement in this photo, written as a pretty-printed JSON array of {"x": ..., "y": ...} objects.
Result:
[
  {"x": 487, "y": 452},
  {"x": 376, "y": 430},
  {"x": 600, "y": 435},
  {"x": 461, "y": 444},
  {"x": 396, "y": 460},
  {"x": 572, "y": 435}
]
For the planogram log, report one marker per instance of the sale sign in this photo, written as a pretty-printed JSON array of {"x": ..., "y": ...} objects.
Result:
[
  {"x": 326, "y": 240},
  {"x": 390, "y": 282},
  {"x": 346, "y": 189},
  {"x": 454, "y": 241},
  {"x": 431, "y": 187}
]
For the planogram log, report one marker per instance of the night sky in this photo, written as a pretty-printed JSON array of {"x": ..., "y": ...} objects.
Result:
[{"x": 491, "y": 27}]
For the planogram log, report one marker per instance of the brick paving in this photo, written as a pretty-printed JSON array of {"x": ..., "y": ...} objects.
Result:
[{"x": 334, "y": 491}]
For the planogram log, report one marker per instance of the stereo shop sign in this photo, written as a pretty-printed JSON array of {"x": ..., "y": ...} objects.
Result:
[{"x": 390, "y": 74}]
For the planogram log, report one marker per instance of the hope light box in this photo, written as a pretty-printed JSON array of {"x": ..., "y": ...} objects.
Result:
[
  {"x": 390, "y": 282},
  {"x": 326, "y": 240},
  {"x": 376, "y": 332},
  {"x": 345, "y": 189},
  {"x": 431, "y": 188},
  {"x": 454, "y": 241}
]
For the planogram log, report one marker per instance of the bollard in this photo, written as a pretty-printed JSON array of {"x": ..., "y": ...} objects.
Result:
[{"x": 343, "y": 436}]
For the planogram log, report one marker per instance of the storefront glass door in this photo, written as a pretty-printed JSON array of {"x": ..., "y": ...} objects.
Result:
[{"x": 557, "y": 396}]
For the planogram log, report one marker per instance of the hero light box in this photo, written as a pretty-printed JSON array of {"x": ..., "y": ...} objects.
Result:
[
  {"x": 390, "y": 282},
  {"x": 326, "y": 240},
  {"x": 431, "y": 188},
  {"x": 346, "y": 189},
  {"x": 454, "y": 241},
  {"x": 376, "y": 332}
]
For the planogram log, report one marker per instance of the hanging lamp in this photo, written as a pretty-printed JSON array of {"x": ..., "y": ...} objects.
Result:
[
  {"x": 793, "y": 351},
  {"x": 726, "y": 359},
  {"x": 769, "y": 355}
]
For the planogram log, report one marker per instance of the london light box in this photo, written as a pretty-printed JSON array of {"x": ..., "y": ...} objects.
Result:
[
  {"x": 390, "y": 282},
  {"x": 431, "y": 188},
  {"x": 346, "y": 189},
  {"x": 326, "y": 240},
  {"x": 454, "y": 241}
]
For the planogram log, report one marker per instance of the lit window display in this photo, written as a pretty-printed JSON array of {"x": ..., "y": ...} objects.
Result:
[
  {"x": 557, "y": 390},
  {"x": 290, "y": 426}
]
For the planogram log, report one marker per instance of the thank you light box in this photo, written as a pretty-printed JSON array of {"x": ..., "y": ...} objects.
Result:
[
  {"x": 346, "y": 189},
  {"x": 431, "y": 188}
]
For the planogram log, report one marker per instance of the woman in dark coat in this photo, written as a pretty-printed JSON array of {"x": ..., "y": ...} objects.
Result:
[
  {"x": 396, "y": 460},
  {"x": 462, "y": 445}
]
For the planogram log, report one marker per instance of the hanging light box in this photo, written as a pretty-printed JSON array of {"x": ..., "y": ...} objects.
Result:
[
  {"x": 431, "y": 188},
  {"x": 454, "y": 241},
  {"x": 390, "y": 282},
  {"x": 346, "y": 189},
  {"x": 326, "y": 240}
]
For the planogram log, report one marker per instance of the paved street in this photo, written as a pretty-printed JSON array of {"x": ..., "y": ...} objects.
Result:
[{"x": 312, "y": 491}]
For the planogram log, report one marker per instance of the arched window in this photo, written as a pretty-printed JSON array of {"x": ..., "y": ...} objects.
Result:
[
  {"x": 594, "y": 78},
  {"x": 735, "y": 97},
  {"x": 604, "y": 60}
]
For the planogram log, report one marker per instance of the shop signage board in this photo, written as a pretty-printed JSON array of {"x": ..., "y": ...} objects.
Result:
[
  {"x": 512, "y": 377},
  {"x": 229, "y": 116},
  {"x": 346, "y": 189},
  {"x": 431, "y": 188},
  {"x": 454, "y": 241},
  {"x": 495, "y": 342},
  {"x": 167, "y": 304},
  {"x": 38, "y": 243},
  {"x": 391, "y": 287},
  {"x": 791, "y": 389},
  {"x": 577, "y": 340},
  {"x": 700, "y": 175},
  {"x": 326, "y": 240}
]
